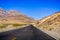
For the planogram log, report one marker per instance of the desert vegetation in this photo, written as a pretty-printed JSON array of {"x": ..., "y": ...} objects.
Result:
[
  {"x": 3, "y": 25},
  {"x": 13, "y": 25},
  {"x": 18, "y": 25}
]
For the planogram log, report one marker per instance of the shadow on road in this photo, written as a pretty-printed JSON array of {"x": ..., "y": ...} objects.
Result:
[{"x": 27, "y": 33}]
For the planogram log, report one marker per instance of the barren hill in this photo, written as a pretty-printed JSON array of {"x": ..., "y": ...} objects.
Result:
[
  {"x": 50, "y": 24},
  {"x": 13, "y": 16},
  {"x": 13, "y": 19}
]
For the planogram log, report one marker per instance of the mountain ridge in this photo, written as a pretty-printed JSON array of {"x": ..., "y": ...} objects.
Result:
[{"x": 14, "y": 15}]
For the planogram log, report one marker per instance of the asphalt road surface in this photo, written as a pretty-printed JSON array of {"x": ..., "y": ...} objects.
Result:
[{"x": 26, "y": 33}]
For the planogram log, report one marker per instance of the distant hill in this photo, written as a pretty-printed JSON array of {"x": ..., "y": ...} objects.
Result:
[
  {"x": 13, "y": 16},
  {"x": 12, "y": 19}
]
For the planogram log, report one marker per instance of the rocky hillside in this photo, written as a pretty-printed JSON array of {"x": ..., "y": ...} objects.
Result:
[
  {"x": 13, "y": 16},
  {"x": 12, "y": 19},
  {"x": 53, "y": 20},
  {"x": 51, "y": 24}
]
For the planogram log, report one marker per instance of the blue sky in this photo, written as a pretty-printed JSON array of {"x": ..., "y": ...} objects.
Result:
[{"x": 33, "y": 8}]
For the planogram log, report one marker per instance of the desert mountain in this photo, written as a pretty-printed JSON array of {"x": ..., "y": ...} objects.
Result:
[
  {"x": 53, "y": 20},
  {"x": 13, "y": 16},
  {"x": 51, "y": 24}
]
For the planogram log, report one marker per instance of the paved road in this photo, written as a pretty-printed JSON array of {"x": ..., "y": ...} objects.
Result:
[{"x": 26, "y": 33}]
